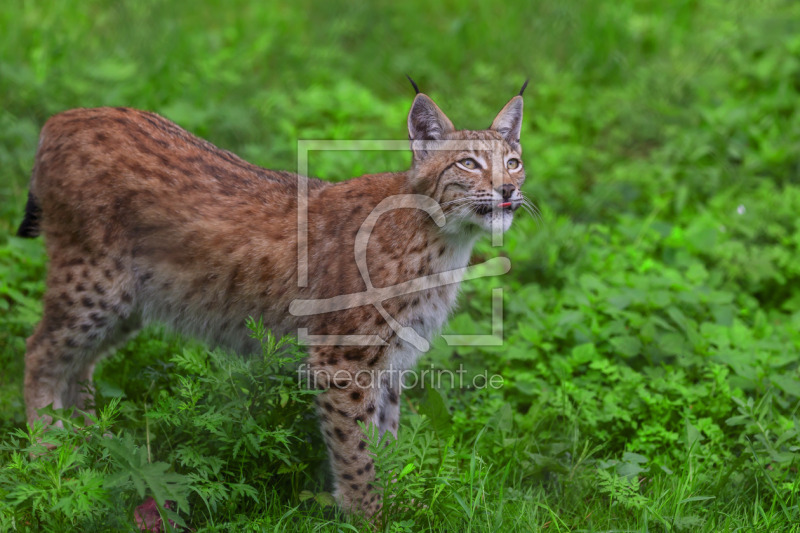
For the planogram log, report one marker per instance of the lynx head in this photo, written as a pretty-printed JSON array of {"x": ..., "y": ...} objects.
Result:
[{"x": 474, "y": 175}]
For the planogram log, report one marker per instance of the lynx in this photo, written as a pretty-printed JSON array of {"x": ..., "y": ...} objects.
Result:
[{"x": 144, "y": 222}]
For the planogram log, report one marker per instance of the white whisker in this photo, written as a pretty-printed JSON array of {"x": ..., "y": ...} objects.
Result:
[{"x": 531, "y": 209}]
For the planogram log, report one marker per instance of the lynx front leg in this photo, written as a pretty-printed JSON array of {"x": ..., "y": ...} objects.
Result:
[
  {"x": 352, "y": 395},
  {"x": 353, "y": 466}
]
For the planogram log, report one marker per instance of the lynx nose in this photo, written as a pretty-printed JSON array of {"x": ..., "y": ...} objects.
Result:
[{"x": 506, "y": 190}]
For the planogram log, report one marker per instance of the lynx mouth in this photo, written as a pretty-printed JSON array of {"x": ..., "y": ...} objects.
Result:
[{"x": 485, "y": 209}]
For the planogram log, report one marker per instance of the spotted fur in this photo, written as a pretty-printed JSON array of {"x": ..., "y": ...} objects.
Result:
[{"x": 144, "y": 222}]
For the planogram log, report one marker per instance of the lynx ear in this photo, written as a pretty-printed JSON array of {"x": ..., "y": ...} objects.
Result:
[
  {"x": 426, "y": 122},
  {"x": 508, "y": 121}
]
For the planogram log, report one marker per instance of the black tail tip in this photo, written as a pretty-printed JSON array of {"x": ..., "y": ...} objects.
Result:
[
  {"x": 30, "y": 223},
  {"x": 28, "y": 231}
]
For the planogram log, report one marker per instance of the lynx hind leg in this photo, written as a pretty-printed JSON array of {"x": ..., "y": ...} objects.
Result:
[{"x": 88, "y": 310}]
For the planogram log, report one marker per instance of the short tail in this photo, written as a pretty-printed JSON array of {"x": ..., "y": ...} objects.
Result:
[{"x": 30, "y": 224}]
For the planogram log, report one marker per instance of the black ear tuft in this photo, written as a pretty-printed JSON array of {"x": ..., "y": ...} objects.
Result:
[
  {"x": 520, "y": 91},
  {"x": 412, "y": 83}
]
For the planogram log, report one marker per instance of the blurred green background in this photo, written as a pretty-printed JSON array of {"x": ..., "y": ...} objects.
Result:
[{"x": 652, "y": 319}]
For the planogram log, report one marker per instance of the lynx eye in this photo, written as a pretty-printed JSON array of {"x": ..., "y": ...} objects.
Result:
[
  {"x": 468, "y": 163},
  {"x": 513, "y": 163}
]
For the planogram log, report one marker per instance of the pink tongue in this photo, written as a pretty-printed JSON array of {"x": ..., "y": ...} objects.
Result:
[{"x": 506, "y": 204}]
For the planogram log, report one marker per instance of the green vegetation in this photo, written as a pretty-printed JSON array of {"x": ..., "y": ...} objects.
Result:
[{"x": 652, "y": 318}]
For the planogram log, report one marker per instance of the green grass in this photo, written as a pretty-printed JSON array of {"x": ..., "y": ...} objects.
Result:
[{"x": 651, "y": 320}]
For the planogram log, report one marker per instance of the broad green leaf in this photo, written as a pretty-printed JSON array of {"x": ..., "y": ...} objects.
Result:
[
  {"x": 627, "y": 346},
  {"x": 435, "y": 409}
]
